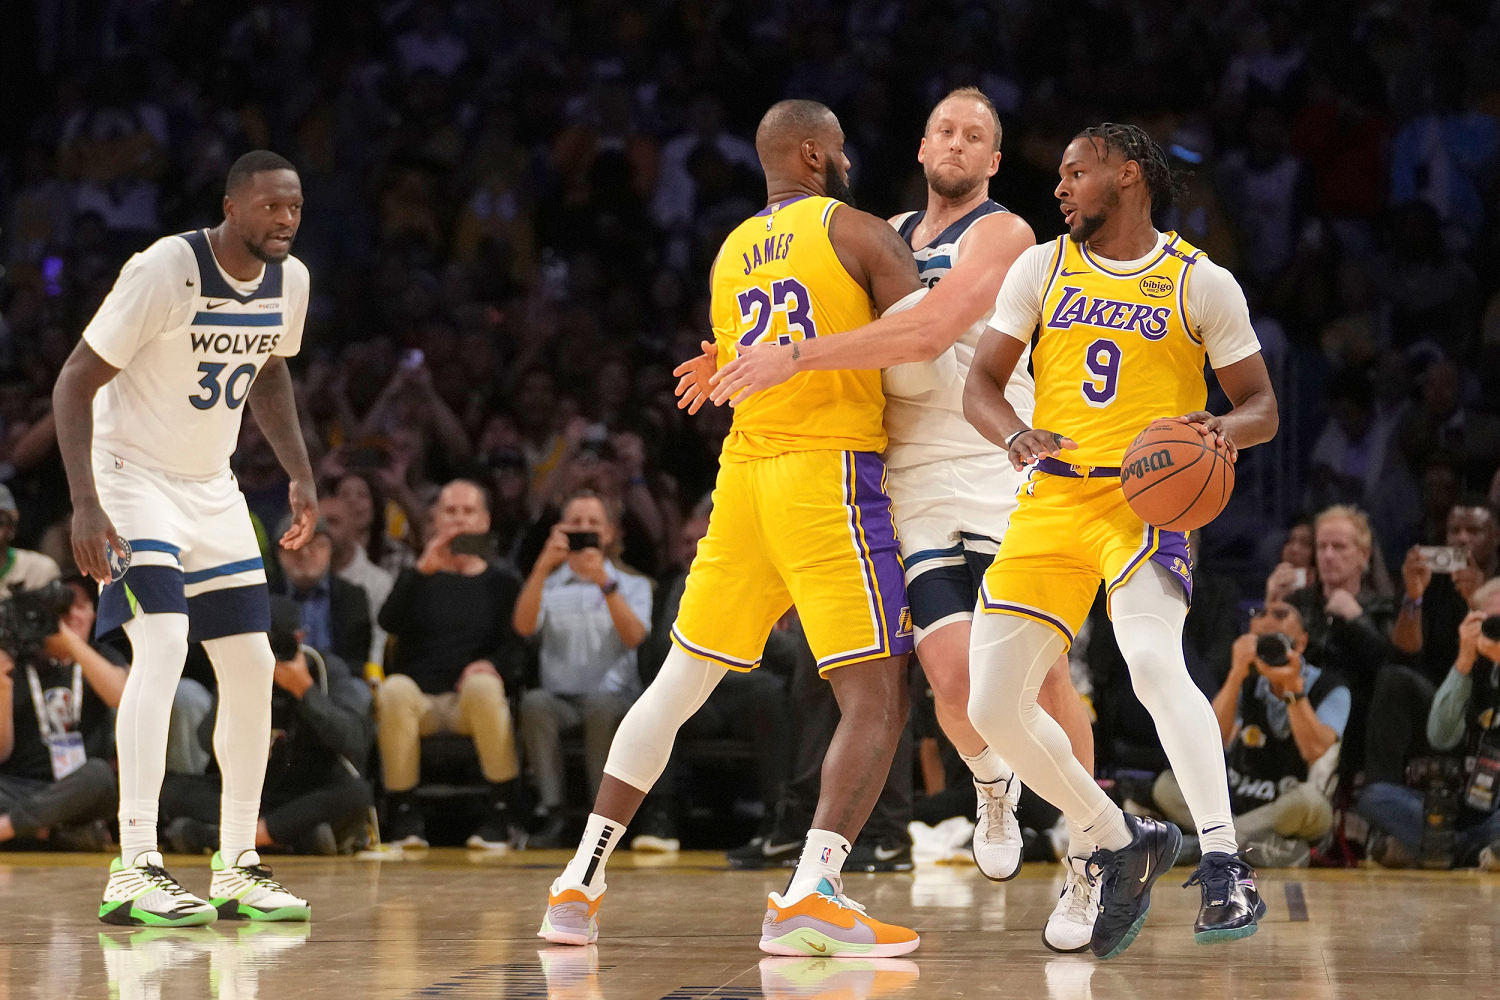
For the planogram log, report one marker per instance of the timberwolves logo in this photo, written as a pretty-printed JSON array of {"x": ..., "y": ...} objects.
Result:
[
  {"x": 1253, "y": 737},
  {"x": 119, "y": 562},
  {"x": 1156, "y": 286}
]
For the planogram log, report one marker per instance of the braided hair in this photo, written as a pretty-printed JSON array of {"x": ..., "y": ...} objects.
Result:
[{"x": 1131, "y": 142}]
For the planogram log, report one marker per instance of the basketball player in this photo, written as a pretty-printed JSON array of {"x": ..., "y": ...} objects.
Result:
[
  {"x": 800, "y": 517},
  {"x": 148, "y": 411},
  {"x": 953, "y": 492},
  {"x": 1125, "y": 316}
]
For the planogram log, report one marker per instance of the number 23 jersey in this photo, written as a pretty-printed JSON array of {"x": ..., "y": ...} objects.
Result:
[
  {"x": 1121, "y": 343},
  {"x": 778, "y": 279},
  {"x": 189, "y": 341}
]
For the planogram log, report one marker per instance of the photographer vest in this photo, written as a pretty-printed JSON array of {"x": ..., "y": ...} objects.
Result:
[{"x": 1263, "y": 760}]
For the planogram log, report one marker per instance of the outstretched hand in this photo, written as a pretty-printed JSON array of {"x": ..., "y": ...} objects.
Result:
[
  {"x": 694, "y": 377},
  {"x": 758, "y": 367}
]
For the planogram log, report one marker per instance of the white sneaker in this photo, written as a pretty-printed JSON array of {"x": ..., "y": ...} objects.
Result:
[
  {"x": 997, "y": 835},
  {"x": 246, "y": 891},
  {"x": 1071, "y": 926},
  {"x": 143, "y": 893}
]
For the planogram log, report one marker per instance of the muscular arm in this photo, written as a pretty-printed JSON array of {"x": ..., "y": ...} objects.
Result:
[
  {"x": 985, "y": 405},
  {"x": 81, "y": 378},
  {"x": 939, "y": 318},
  {"x": 1254, "y": 418},
  {"x": 875, "y": 256},
  {"x": 275, "y": 410}
]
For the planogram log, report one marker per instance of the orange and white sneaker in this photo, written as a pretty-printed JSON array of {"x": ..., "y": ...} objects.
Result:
[
  {"x": 572, "y": 915},
  {"x": 823, "y": 924}
]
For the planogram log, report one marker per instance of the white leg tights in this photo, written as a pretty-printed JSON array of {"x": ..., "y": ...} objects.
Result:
[
  {"x": 158, "y": 646},
  {"x": 243, "y": 665},
  {"x": 643, "y": 741}
]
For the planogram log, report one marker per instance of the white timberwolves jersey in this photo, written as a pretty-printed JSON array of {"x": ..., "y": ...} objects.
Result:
[
  {"x": 930, "y": 426},
  {"x": 189, "y": 341}
]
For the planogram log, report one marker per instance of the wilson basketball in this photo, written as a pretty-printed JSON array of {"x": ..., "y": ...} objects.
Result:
[{"x": 1174, "y": 477}]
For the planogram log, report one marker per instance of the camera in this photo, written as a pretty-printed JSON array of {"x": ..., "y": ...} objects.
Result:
[
  {"x": 580, "y": 540},
  {"x": 1274, "y": 649},
  {"x": 28, "y": 617},
  {"x": 1490, "y": 628},
  {"x": 1444, "y": 558}
]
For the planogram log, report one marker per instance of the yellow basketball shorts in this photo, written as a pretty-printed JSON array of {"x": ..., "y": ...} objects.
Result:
[
  {"x": 811, "y": 529},
  {"x": 1066, "y": 536}
]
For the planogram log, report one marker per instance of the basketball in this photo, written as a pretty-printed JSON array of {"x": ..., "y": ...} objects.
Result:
[{"x": 1174, "y": 478}]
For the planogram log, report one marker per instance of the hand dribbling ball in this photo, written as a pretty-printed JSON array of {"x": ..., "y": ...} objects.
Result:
[{"x": 1175, "y": 478}]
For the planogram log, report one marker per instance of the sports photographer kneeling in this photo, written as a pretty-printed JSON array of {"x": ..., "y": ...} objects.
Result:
[{"x": 57, "y": 695}]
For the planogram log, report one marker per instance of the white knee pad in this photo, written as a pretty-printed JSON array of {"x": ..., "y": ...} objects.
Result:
[{"x": 643, "y": 743}]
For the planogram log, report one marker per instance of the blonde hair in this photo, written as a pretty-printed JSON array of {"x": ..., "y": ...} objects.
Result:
[
  {"x": 972, "y": 93},
  {"x": 1362, "y": 533}
]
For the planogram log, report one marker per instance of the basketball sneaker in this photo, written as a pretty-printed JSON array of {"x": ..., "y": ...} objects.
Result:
[
  {"x": 143, "y": 893},
  {"x": 997, "y": 836},
  {"x": 773, "y": 850},
  {"x": 1070, "y": 928},
  {"x": 246, "y": 891},
  {"x": 1126, "y": 877},
  {"x": 823, "y": 923},
  {"x": 1232, "y": 907},
  {"x": 878, "y": 856},
  {"x": 572, "y": 915}
]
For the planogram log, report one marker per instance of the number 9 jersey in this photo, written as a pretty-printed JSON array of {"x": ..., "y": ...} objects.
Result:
[
  {"x": 778, "y": 279},
  {"x": 189, "y": 341},
  {"x": 1121, "y": 343}
]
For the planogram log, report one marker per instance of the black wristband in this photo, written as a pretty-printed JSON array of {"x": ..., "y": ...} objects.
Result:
[
  {"x": 609, "y": 588},
  {"x": 1012, "y": 439}
]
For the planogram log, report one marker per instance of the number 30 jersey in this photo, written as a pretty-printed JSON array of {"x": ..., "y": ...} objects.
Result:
[
  {"x": 189, "y": 341},
  {"x": 778, "y": 279},
  {"x": 1121, "y": 343}
]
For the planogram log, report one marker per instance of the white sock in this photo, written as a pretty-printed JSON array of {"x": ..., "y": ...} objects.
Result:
[
  {"x": 823, "y": 857},
  {"x": 1079, "y": 844},
  {"x": 158, "y": 645},
  {"x": 243, "y": 665},
  {"x": 987, "y": 766},
  {"x": 600, "y": 835},
  {"x": 1108, "y": 830}
]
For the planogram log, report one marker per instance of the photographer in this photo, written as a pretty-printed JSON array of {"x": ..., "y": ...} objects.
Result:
[
  {"x": 1438, "y": 582},
  {"x": 1281, "y": 719},
  {"x": 454, "y": 659},
  {"x": 1451, "y": 819},
  {"x": 56, "y": 727},
  {"x": 591, "y": 613},
  {"x": 314, "y": 798}
]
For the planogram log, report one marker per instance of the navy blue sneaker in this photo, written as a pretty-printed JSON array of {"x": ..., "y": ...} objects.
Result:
[
  {"x": 1232, "y": 907},
  {"x": 1126, "y": 877}
]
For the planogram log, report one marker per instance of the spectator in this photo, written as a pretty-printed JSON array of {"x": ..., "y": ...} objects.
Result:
[
  {"x": 23, "y": 568},
  {"x": 1295, "y": 567},
  {"x": 590, "y": 612},
  {"x": 57, "y": 732},
  {"x": 1281, "y": 723},
  {"x": 1453, "y": 818},
  {"x": 351, "y": 563},
  {"x": 315, "y": 799},
  {"x": 454, "y": 660},
  {"x": 335, "y": 613}
]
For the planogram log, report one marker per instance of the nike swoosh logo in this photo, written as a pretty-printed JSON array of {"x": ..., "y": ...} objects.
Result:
[
  {"x": 770, "y": 849},
  {"x": 884, "y": 854},
  {"x": 1211, "y": 829},
  {"x": 1070, "y": 274},
  {"x": 215, "y": 305},
  {"x": 1147, "y": 873},
  {"x": 189, "y": 282},
  {"x": 819, "y": 948}
]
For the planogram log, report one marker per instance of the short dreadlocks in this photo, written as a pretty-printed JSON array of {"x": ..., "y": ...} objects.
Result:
[{"x": 1163, "y": 183}]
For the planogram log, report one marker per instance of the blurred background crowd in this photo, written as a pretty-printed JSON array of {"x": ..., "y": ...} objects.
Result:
[{"x": 511, "y": 209}]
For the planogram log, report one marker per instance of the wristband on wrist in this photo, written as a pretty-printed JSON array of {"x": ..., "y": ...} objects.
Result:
[
  {"x": 609, "y": 588},
  {"x": 1012, "y": 439},
  {"x": 1292, "y": 697},
  {"x": 1411, "y": 602}
]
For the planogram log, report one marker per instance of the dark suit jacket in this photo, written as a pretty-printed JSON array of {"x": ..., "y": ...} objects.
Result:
[{"x": 349, "y": 619}]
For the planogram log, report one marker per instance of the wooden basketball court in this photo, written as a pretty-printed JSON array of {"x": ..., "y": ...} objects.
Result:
[{"x": 452, "y": 924}]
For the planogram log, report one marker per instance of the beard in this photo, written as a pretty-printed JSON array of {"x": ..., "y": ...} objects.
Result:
[
  {"x": 260, "y": 253},
  {"x": 1088, "y": 225},
  {"x": 837, "y": 187},
  {"x": 952, "y": 188}
]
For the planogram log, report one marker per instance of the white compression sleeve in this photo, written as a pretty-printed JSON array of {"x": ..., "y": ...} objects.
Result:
[
  {"x": 643, "y": 742},
  {"x": 1008, "y": 659},
  {"x": 1148, "y": 612},
  {"x": 158, "y": 646},
  {"x": 244, "y": 667}
]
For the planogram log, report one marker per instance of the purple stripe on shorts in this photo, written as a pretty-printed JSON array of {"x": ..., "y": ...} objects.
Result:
[
  {"x": 881, "y": 552},
  {"x": 1172, "y": 555}
]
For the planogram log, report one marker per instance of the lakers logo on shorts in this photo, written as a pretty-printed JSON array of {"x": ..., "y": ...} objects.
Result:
[{"x": 904, "y": 627}]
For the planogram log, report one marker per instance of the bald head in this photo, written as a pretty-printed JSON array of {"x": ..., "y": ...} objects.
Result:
[{"x": 801, "y": 146}]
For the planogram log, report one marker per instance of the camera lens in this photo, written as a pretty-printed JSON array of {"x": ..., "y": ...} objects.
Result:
[
  {"x": 1272, "y": 649},
  {"x": 1490, "y": 627}
]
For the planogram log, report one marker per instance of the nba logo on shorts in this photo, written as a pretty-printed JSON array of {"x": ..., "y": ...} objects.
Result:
[{"x": 827, "y": 853}]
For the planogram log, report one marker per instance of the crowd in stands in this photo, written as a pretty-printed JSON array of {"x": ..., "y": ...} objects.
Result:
[{"x": 510, "y": 213}]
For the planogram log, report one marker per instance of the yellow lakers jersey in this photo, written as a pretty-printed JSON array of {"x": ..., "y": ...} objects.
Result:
[
  {"x": 1116, "y": 349},
  {"x": 777, "y": 279}
]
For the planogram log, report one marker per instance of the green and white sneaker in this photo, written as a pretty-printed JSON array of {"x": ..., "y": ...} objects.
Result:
[
  {"x": 246, "y": 891},
  {"x": 143, "y": 893}
]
